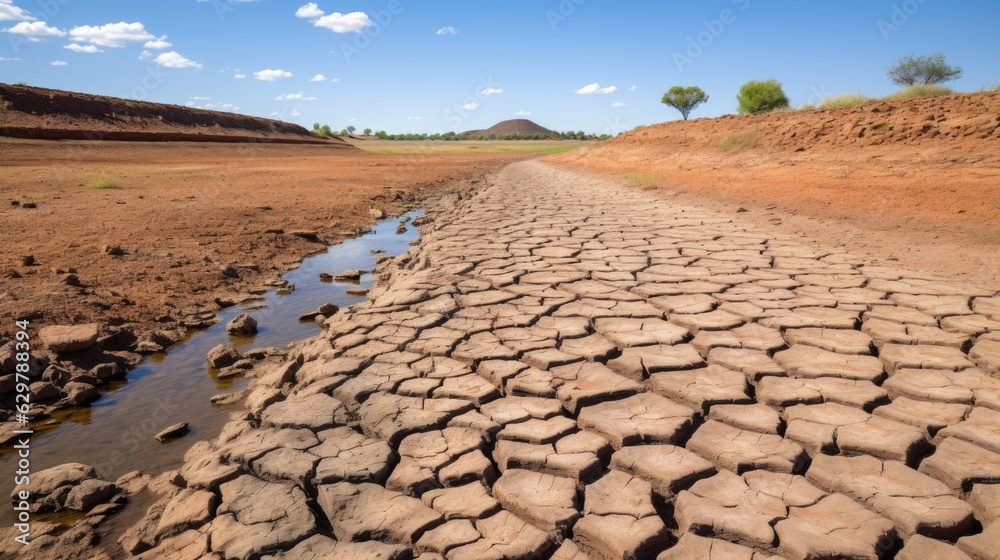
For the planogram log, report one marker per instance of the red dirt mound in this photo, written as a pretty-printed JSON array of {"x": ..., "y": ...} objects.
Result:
[
  {"x": 521, "y": 127},
  {"x": 50, "y": 114}
]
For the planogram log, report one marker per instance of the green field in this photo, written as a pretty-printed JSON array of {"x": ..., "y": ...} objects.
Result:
[{"x": 539, "y": 147}]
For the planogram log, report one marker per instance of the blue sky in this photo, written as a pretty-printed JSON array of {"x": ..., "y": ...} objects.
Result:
[{"x": 412, "y": 66}]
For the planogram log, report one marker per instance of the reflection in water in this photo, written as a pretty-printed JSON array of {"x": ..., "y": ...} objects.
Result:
[{"x": 115, "y": 433}]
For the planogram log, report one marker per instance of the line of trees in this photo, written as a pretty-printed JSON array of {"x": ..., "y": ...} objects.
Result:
[
  {"x": 764, "y": 96},
  {"x": 453, "y": 136}
]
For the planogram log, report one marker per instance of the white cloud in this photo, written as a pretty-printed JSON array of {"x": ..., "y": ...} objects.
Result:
[
  {"x": 240, "y": 76},
  {"x": 173, "y": 59},
  {"x": 5, "y": 59},
  {"x": 334, "y": 79},
  {"x": 449, "y": 30},
  {"x": 294, "y": 97},
  {"x": 318, "y": 78},
  {"x": 10, "y": 12},
  {"x": 145, "y": 54},
  {"x": 309, "y": 11},
  {"x": 492, "y": 91},
  {"x": 592, "y": 89},
  {"x": 200, "y": 98},
  {"x": 111, "y": 34},
  {"x": 271, "y": 75},
  {"x": 414, "y": 118},
  {"x": 35, "y": 31},
  {"x": 337, "y": 22},
  {"x": 89, "y": 49},
  {"x": 633, "y": 88},
  {"x": 189, "y": 104},
  {"x": 293, "y": 113},
  {"x": 58, "y": 63},
  {"x": 158, "y": 44},
  {"x": 618, "y": 104},
  {"x": 470, "y": 106},
  {"x": 523, "y": 113}
]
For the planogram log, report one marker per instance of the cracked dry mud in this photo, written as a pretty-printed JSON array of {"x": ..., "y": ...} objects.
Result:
[{"x": 562, "y": 368}]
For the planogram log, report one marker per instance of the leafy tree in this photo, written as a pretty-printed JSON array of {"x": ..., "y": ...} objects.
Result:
[
  {"x": 684, "y": 99},
  {"x": 381, "y": 135},
  {"x": 325, "y": 130},
  {"x": 368, "y": 132},
  {"x": 758, "y": 96},
  {"x": 350, "y": 129},
  {"x": 316, "y": 128},
  {"x": 933, "y": 69}
]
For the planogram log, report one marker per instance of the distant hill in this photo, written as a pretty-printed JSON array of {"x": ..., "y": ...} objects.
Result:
[
  {"x": 49, "y": 114},
  {"x": 520, "y": 127}
]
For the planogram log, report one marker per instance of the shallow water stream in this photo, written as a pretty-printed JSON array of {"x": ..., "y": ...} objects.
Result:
[{"x": 115, "y": 433}]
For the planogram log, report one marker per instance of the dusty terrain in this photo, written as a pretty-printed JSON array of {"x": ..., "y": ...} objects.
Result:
[
  {"x": 912, "y": 183},
  {"x": 182, "y": 214},
  {"x": 550, "y": 374},
  {"x": 51, "y": 114}
]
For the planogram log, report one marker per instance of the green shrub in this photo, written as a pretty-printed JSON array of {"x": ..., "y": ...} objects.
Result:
[
  {"x": 914, "y": 92},
  {"x": 923, "y": 70},
  {"x": 757, "y": 97},
  {"x": 103, "y": 184},
  {"x": 684, "y": 99},
  {"x": 740, "y": 142},
  {"x": 844, "y": 100},
  {"x": 646, "y": 180}
]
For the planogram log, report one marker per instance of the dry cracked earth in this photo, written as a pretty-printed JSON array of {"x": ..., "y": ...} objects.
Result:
[{"x": 565, "y": 369}]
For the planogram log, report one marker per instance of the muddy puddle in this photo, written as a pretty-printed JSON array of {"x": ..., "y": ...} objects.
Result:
[{"x": 115, "y": 433}]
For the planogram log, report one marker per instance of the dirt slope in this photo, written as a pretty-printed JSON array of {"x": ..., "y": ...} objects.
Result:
[
  {"x": 51, "y": 114},
  {"x": 910, "y": 181},
  {"x": 522, "y": 127}
]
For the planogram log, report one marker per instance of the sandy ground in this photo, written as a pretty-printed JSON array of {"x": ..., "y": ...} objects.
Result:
[
  {"x": 183, "y": 212},
  {"x": 918, "y": 200}
]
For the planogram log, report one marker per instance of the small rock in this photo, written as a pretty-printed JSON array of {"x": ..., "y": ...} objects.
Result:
[
  {"x": 242, "y": 325},
  {"x": 148, "y": 347},
  {"x": 223, "y": 355},
  {"x": 28, "y": 260},
  {"x": 741, "y": 210},
  {"x": 43, "y": 391},
  {"x": 79, "y": 393},
  {"x": 401, "y": 229},
  {"x": 106, "y": 371},
  {"x": 325, "y": 276},
  {"x": 349, "y": 276},
  {"x": 69, "y": 338},
  {"x": 29, "y": 205},
  {"x": 357, "y": 292},
  {"x": 229, "y": 272},
  {"x": 376, "y": 213},
  {"x": 327, "y": 309},
  {"x": 175, "y": 431},
  {"x": 113, "y": 250},
  {"x": 71, "y": 280},
  {"x": 308, "y": 235},
  {"x": 274, "y": 230},
  {"x": 90, "y": 493},
  {"x": 56, "y": 375},
  {"x": 228, "y": 398}
]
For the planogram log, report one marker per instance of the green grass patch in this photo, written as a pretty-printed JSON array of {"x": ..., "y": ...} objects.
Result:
[
  {"x": 429, "y": 147},
  {"x": 915, "y": 92},
  {"x": 740, "y": 142},
  {"x": 103, "y": 184},
  {"x": 845, "y": 100},
  {"x": 644, "y": 181}
]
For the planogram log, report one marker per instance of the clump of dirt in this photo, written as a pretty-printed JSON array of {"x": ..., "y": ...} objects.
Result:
[
  {"x": 521, "y": 127},
  {"x": 910, "y": 182},
  {"x": 52, "y": 114}
]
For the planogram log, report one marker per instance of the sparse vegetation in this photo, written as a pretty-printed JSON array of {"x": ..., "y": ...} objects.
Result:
[
  {"x": 103, "y": 184},
  {"x": 923, "y": 70},
  {"x": 845, "y": 100},
  {"x": 914, "y": 92},
  {"x": 368, "y": 132},
  {"x": 645, "y": 181},
  {"x": 740, "y": 142},
  {"x": 350, "y": 130},
  {"x": 758, "y": 96},
  {"x": 684, "y": 99}
]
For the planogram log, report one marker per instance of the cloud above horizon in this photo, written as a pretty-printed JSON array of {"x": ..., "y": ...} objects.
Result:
[
  {"x": 447, "y": 30},
  {"x": 523, "y": 113},
  {"x": 271, "y": 75},
  {"x": 114, "y": 35},
  {"x": 294, "y": 97},
  {"x": 35, "y": 31},
  {"x": 10, "y": 12},
  {"x": 596, "y": 89},
  {"x": 88, "y": 49},
  {"x": 618, "y": 104},
  {"x": 158, "y": 44},
  {"x": 58, "y": 63},
  {"x": 353, "y": 22},
  {"x": 492, "y": 91},
  {"x": 173, "y": 59}
]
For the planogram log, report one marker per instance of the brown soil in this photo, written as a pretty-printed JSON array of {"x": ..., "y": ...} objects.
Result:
[
  {"x": 51, "y": 114},
  {"x": 913, "y": 182},
  {"x": 183, "y": 212}
]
